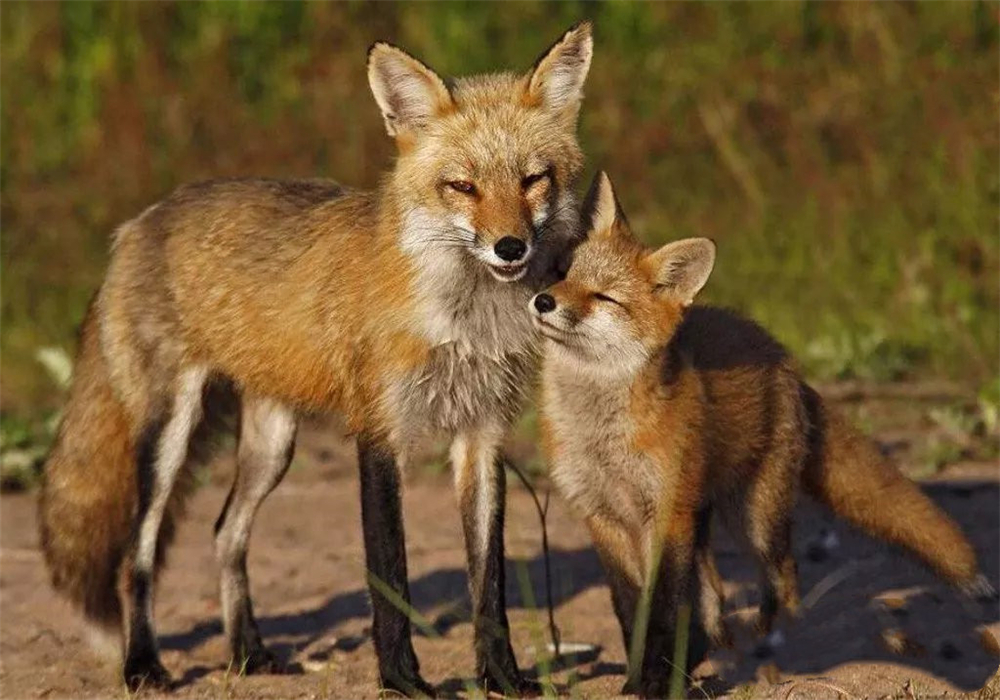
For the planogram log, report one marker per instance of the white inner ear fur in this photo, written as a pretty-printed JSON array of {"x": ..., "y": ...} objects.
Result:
[
  {"x": 558, "y": 78},
  {"x": 408, "y": 93},
  {"x": 684, "y": 267}
]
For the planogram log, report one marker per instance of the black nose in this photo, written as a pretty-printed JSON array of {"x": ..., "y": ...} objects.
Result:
[
  {"x": 544, "y": 303},
  {"x": 510, "y": 249}
]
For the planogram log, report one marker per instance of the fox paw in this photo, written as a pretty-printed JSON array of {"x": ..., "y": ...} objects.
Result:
[
  {"x": 409, "y": 685},
  {"x": 257, "y": 661},
  {"x": 142, "y": 673},
  {"x": 657, "y": 687},
  {"x": 516, "y": 687}
]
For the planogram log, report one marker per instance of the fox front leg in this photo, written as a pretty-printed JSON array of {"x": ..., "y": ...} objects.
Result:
[
  {"x": 385, "y": 559},
  {"x": 480, "y": 483},
  {"x": 672, "y": 624}
]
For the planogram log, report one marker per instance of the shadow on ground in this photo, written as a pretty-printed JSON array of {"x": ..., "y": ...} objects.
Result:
[{"x": 862, "y": 603}]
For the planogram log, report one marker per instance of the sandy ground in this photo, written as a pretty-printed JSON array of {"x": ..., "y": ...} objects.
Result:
[{"x": 306, "y": 574}]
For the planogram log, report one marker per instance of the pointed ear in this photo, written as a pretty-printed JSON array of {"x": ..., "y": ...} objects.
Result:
[
  {"x": 601, "y": 210},
  {"x": 409, "y": 93},
  {"x": 682, "y": 268},
  {"x": 556, "y": 81}
]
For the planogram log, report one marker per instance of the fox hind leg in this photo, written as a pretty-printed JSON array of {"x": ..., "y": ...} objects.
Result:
[
  {"x": 709, "y": 592},
  {"x": 769, "y": 500},
  {"x": 266, "y": 444},
  {"x": 780, "y": 584},
  {"x": 768, "y": 522},
  {"x": 161, "y": 453}
]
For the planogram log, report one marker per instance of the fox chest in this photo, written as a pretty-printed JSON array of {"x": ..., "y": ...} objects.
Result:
[
  {"x": 593, "y": 459},
  {"x": 482, "y": 352},
  {"x": 457, "y": 389}
]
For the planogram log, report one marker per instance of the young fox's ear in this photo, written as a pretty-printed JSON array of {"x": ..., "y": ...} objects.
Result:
[
  {"x": 556, "y": 81},
  {"x": 409, "y": 93},
  {"x": 682, "y": 268},
  {"x": 601, "y": 210}
]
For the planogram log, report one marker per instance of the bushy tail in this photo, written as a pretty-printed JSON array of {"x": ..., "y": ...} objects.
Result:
[
  {"x": 89, "y": 496},
  {"x": 847, "y": 473}
]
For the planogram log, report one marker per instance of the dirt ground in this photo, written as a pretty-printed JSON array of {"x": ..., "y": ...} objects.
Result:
[{"x": 306, "y": 573}]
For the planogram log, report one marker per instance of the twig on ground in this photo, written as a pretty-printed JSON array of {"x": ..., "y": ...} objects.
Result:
[{"x": 543, "y": 511}]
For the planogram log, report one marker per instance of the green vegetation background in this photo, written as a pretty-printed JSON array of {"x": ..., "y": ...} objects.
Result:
[{"x": 843, "y": 156}]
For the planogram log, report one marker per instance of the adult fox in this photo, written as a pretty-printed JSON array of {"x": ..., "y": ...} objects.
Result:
[
  {"x": 402, "y": 309},
  {"x": 655, "y": 412}
]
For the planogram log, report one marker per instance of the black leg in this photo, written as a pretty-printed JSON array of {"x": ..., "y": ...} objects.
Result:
[
  {"x": 385, "y": 558},
  {"x": 674, "y": 585},
  {"x": 624, "y": 598}
]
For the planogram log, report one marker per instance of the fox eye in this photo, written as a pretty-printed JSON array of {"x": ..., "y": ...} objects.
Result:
[
  {"x": 463, "y": 186},
  {"x": 605, "y": 297},
  {"x": 529, "y": 180}
]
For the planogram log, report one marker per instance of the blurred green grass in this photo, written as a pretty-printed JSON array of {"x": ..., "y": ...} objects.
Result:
[{"x": 843, "y": 156}]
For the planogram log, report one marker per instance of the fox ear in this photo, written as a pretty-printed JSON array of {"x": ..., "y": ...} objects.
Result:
[
  {"x": 409, "y": 93},
  {"x": 556, "y": 81},
  {"x": 682, "y": 268},
  {"x": 601, "y": 209}
]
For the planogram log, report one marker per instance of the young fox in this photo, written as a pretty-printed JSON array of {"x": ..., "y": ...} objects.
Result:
[
  {"x": 400, "y": 308},
  {"x": 656, "y": 412}
]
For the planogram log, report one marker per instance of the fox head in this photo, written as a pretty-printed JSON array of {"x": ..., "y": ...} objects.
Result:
[
  {"x": 619, "y": 302},
  {"x": 486, "y": 163}
]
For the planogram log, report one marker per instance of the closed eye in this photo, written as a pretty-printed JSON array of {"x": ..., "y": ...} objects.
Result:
[
  {"x": 529, "y": 180},
  {"x": 605, "y": 297}
]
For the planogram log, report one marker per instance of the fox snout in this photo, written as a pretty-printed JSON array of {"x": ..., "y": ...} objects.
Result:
[
  {"x": 510, "y": 249},
  {"x": 548, "y": 312}
]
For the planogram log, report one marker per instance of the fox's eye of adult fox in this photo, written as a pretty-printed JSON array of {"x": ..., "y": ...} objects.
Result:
[
  {"x": 463, "y": 186},
  {"x": 610, "y": 300},
  {"x": 529, "y": 180}
]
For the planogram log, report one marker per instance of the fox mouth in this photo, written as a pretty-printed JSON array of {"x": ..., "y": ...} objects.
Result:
[
  {"x": 508, "y": 273},
  {"x": 554, "y": 333}
]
